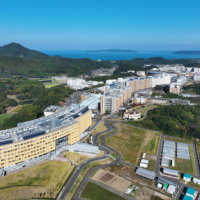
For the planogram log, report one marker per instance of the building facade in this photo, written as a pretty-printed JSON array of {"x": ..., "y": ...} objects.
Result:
[{"x": 42, "y": 137}]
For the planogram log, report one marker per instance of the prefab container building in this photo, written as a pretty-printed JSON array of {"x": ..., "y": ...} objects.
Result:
[
  {"x": 170, "y": 172},
  {"x": 145, "y": 173},
  {"x": 144, "y": 165},
  {"x": 144, "y": 161},
  {"x": 164, "y": 164}
]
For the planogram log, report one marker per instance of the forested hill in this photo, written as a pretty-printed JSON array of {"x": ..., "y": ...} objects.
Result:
[
  {"x": 18, "y": 60},
  {"x": 47, "y": 66},
  {"x": 17, "y": 50},
  {"x": 138, "y": 63},
  {"x": 187, "y": 52}
]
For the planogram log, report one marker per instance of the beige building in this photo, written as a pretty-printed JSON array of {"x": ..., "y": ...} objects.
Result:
[
  {"x": 132, "y": 114},
  {"x": 36, "y": 138},
  {"x": 118, "y": 93}
]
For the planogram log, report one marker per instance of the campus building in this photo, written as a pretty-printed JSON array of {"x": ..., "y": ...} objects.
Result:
[
  {"x": 120, "y": 92},
  {"x": 44, "y": 137}
]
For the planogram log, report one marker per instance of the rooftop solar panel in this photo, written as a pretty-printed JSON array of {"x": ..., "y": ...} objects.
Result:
[
  {"x": 6, "y": 142},
  {"x": 33, "y": 135}
]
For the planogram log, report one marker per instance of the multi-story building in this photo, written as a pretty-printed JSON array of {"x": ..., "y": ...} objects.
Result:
[
  {"x": 196, "y": 77},
  {"x": 173, "y": 88},
  {"x": 160, "y": 79},
  {"x": 120, "y": 92},
  {"x": 42, "y": 138}
]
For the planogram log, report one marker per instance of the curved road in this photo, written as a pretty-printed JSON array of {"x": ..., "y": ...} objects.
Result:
[{"x": 69, "y": 184}]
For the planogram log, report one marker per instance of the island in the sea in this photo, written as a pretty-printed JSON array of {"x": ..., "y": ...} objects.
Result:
[
  {"x": 113, "y": 51},
  {"x": 187, "y": 52}
]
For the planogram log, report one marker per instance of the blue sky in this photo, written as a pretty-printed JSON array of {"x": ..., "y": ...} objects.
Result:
[{"x": 101, "y": 24}]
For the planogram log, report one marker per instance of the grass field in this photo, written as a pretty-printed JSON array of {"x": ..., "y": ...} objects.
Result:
[
  {"x": 147, "y": 108},
  {"x": 108, "y": 133},
  {"x": 99, "y": 116},
  {"x": 44, "y": 180},
  {"x": 4, "y": 116},
  {"x": 193, "y": 184},
  {"x": 99, "y": 128},
  {"x": 95, "y": 192},
  {"x": 93, "y": 123},
  {"x": 177, "y": 139},
  {"x": 78, "y": 158},
  {"x": 151, "y": 165},
  {"x": 50, "y": 85},
  {"x": 152, "y": 142},
  {"x": 55, "y": 81},
  {"x": 19, "y": 107},
  {"x": 83, "y": 173},
  {"x": 132, "y": 141},
  {"x": 186, "y": 166},
  {"x": 128, "y": 141}
]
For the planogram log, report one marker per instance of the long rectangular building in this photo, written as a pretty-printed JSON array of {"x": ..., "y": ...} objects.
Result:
[{"x": 42, "y": 137}]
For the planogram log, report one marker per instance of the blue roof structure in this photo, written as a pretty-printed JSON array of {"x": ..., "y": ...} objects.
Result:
[
  {"x": 187, "y": 198},
  {"x": 112, "y": 84},
  {"x": 187, "y": 176},
  {"x": 190, "y": 191}
]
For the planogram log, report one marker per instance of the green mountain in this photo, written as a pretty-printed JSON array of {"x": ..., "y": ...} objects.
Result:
[{"x": 17, "y": 50}]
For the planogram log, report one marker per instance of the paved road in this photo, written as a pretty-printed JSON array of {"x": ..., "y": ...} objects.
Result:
[
  {"x": 157, "y": 168},
  {"x": 118, "y": 160},
  {"x": 196, "y": 159},
  {"x": 69, "y": 184}
]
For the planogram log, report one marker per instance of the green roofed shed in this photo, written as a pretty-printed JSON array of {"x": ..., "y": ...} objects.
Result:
[{"x": 165, "y": 186}]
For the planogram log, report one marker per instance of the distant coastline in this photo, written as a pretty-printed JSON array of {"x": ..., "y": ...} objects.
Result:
[
  {"x": 113, "y": 51},
  {"x": 188, "y": 52}
]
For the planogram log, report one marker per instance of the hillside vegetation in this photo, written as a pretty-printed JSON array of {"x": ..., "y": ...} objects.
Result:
[
  {"x": 25, "y": 90},
  {"x": 17, "y": 50},
  {"x": 18, "y": 60},
  {"x": 175, "y": 120}
]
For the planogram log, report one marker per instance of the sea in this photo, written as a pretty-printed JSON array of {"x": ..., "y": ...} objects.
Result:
[{"x": 117, "y": 56}]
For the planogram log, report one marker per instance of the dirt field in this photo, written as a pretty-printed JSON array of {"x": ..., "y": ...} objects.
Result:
[
  {"x": 145, "y": 193},
  {"x": 128, "y": 173},
  {"x": 111, "y": 180}
]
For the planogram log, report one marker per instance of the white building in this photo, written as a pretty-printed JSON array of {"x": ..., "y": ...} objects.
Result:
[
  {"x": 140, "y": 73},
  {"x": 111, "y": 81},
  {"x": 51, "y": 110},
  {"x": 79, "y": 84},
  {"x": 171, "y": 189},
  {"x": 143, "y": 165},
  {"x": 195, "y": 180},
  {"x": 196, "y": 77},
  {"x": 182, "y": 80},
  {"x": 162, "y": 79},
  {"x": 144, "y": 161}
]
